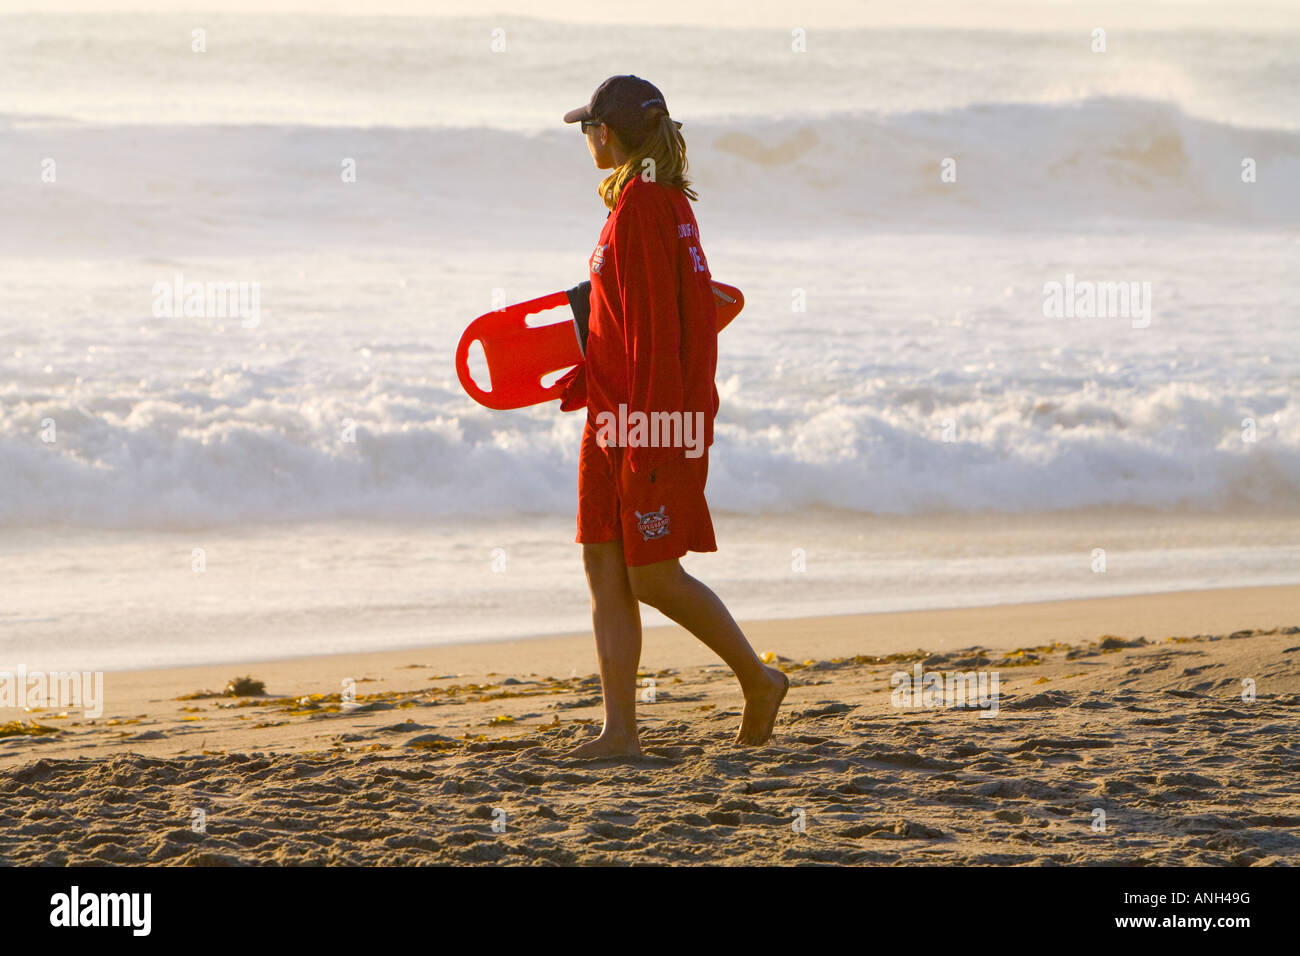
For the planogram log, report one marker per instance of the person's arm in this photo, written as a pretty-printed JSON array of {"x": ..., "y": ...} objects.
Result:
[
  {"x": 573, "y": 389},
  {"x": 646, "y": 263},
  {"x": 573, "y": 384}
]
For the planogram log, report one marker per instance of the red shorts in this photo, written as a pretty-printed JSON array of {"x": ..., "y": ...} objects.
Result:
[{"x": 658, "y": 515}]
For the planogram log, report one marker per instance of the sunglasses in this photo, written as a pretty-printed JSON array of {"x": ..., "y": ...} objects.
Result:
[{"x": 592, "y": 124}]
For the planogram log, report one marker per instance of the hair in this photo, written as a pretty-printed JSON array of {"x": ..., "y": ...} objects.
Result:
[{"x": 664, "y": 145}]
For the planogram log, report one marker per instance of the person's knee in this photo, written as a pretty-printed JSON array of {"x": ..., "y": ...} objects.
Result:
[
  {"x": 597, "y": 557},
  {"x": 604, "y": 565},
  {"x": 653, "y": 584}
]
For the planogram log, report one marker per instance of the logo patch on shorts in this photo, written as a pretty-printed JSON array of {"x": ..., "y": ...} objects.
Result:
[{"x": 652, "y": 524}]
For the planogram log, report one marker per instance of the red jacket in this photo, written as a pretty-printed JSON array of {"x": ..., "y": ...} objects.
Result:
[{"x": 652, "y": 343}]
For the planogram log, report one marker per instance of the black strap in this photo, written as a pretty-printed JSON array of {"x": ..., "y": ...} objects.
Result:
[{"x": 580, "y": 303}]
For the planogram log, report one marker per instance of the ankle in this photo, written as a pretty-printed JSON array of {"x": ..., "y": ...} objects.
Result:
[
  {"x": 761, "y": 680},
  {"x": 620, "y": 734}
]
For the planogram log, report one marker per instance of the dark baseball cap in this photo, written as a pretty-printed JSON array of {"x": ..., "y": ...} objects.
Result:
[{"x": 624, "y": 103}]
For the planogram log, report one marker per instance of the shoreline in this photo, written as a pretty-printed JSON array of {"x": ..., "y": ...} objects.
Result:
[
  {"x": 152, "y": 694},
  {"x": 131, "y": 601},
  {"x": 1055, "y": 613}
]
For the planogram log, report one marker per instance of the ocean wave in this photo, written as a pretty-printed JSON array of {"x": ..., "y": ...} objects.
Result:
[
  {"x": 169, "y": 462},
  {"x": 217, "y": 190}
]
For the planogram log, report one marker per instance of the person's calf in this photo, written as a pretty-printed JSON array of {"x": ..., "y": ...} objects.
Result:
[{"x": 658, "y": 585}]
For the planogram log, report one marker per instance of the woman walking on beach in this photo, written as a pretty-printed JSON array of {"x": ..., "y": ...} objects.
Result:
[{"x": 650, "y": 357}]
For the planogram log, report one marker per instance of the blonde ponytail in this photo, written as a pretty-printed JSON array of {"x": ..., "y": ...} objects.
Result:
[{"x": 665, "y": 147}]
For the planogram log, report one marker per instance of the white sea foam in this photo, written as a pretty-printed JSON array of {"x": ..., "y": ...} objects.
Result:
[{"x": 896, "y": 394}]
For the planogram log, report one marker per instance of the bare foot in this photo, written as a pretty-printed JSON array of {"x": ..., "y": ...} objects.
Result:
[
  {"x": 760, "y": 709},
  {"x": 607, "y": 745}
]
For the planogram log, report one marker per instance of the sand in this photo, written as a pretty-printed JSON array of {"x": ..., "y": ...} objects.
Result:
[{"x": 1121, "y": 736}]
